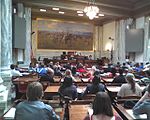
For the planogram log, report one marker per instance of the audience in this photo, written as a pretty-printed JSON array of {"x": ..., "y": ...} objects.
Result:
[
  {"x": 68, "y": 89},
  {"x": 129, "y": 88},
  {"x": 33, "y": 108},
  {"x": 143, "y": 105}
]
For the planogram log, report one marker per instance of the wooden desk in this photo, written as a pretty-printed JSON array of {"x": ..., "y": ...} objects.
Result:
[
  {"x": 78, "y": 112},
  {"x": 25, "y": 79},
  {"x": 54, "y": 89},
  {"x": 107, "y": 79},
  {"x": 126, "y": 114},
  {"x": 21, "y": 84},
  {"x": 115, "y": 89}
]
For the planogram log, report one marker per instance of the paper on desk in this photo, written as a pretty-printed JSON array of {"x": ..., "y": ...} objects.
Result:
[
  {"x": 25, "y": 73},
  {"x": 85, "y": 79},
  {"x": 143, "y": 116},
  {"x": 10, "y": 113},
  {"x": 79, "y": 90}
]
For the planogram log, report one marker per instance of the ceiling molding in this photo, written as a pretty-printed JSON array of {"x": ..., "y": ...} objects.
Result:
[{"x": 113, "y": 9}]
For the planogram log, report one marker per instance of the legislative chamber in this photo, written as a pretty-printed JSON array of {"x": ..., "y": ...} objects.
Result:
[{"x": 74, "y": 59}]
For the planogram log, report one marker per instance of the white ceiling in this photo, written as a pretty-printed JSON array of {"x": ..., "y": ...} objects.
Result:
[{"x": 113, "y": 9}]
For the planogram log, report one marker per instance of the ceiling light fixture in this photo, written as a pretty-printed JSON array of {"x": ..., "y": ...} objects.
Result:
[
  {"x": 96, "y": 16},
  {"x": 43, "y": 10},
  {"x": 55, "y": 8},
  {"x": 61, "y": 12},
  {"x": 79, "y": 11},
  {"x": 80, "y": 14},
  {"x": 101, "y": 14},
  {"x": 91, "y": 9}
]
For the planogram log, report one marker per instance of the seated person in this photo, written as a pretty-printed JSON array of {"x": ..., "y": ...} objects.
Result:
[
  {"x": 41, "y": 70},
  {"x": 57, "y": 69},
  {"x": 68, "y": 73},
  {"x": 33, "y": 108},
  {"x": 80, "y": 68},
  {"x": 48, "y": 76},
  {"x": 68, "y": 89},
  {"x": 14, "y": 72},
  {"x": 143, "y": 105},
  {"x": 31, "y": 68},
  {"x": 95, "y": 87},
  {"x": 102, "y": 109},
  {"x": 129, "y": 88},
  {"x": 120, "y": 78}
]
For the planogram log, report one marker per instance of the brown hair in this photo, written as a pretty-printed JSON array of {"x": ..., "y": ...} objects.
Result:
[
  {"x": 34, "y": 91},
  {"x": 102, "y": 104}
]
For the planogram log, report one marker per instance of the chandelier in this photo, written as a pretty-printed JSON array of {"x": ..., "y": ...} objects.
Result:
[{"x": 91, "y": 10}]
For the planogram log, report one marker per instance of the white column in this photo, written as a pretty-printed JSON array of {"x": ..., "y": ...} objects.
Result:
[
  {"x": 120, "y": 40},
  {"x": 98, "y": 41},
  {"x": 0, "y": 38},
  {"x": 146, "y": 53},
  {"x": 6, "y": 33},
  {"x": 28, "y": 36}
]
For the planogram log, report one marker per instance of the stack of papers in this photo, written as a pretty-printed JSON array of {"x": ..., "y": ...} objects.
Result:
[
  {"x": 10, "y": 114},
  {"x": 139, "y": 117}
]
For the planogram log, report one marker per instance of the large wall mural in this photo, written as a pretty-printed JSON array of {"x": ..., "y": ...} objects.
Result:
[{"x": 58, "y": 35}]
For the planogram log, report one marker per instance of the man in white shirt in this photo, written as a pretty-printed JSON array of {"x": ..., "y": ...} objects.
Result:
[{"x": 14, "y": 72}]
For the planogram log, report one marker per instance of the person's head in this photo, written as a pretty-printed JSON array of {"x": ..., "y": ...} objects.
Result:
[
  {"x": 96, "y": 80},
  {"x": 130, "y": 79},
  {"x": 123, "y": 64},
  {"x": 12, "y": 66},
  {"x": 120, "y": 71},
  {"x": 102, "y": 104},
  {"x": 68, "y": 72},
  {"x": 34, "y": 91},
  {"x": 67, "y": 82}
]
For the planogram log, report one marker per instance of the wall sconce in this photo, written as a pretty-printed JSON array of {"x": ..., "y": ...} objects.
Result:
[{"x": 108, "y": 47}]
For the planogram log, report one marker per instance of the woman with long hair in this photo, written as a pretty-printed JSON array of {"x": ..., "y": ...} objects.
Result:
[
  {"x": 130, "y": 88},
  {"x": 102, "y": 109}
]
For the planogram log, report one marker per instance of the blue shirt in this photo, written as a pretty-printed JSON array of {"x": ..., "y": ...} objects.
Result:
[
  {"x": 142, "y": 108},
  {"x": 34, "y": 110},
  {"x": 41, "y": 71},
  {"x": 93, "y": 89}
]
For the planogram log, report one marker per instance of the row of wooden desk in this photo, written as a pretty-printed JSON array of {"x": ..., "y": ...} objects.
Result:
[
  {"x": 54, "y": 89},
  {"x": 78, "y": 111}
]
